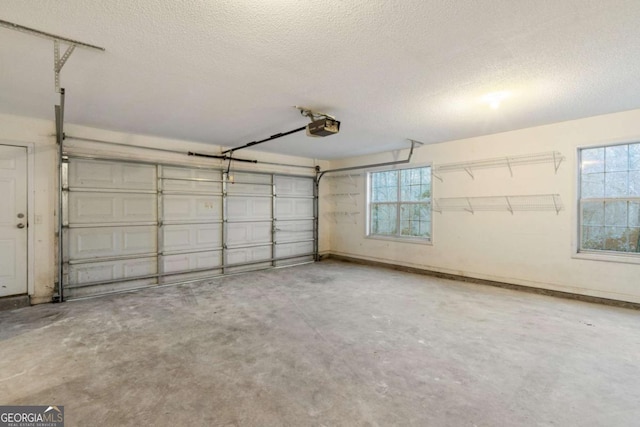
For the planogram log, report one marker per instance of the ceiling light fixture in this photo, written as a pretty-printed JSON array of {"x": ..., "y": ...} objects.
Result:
[{"x": 494, "y": 99}]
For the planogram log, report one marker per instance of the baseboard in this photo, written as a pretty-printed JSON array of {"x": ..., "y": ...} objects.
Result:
[
  {"x": 35, "y": 300},
  {"x": 13, "y": 302},
  {"x": 324, "y": 255},
  {"x": 466, "y": 279}
]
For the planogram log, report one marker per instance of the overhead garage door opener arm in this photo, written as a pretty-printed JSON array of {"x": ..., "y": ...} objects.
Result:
[{"x": 321, "y": 125}]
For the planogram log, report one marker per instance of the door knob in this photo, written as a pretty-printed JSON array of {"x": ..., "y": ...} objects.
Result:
[{"x": 20, "y": 225}]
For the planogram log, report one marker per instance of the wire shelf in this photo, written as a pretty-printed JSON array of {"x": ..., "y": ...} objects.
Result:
[
  {"x": 347, "y": 179},
  {"x": 518, "y": 203},
  {"x": 345, "y": 175},
  {"x": 554, "y": 157}
]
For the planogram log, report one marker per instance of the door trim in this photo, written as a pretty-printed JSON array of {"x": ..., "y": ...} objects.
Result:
[{"x": 30, "y": 210}]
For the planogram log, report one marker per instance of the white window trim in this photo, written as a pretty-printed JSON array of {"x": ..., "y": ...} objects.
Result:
[
  {"x": 405, "y": 239},
  {"x": 595, "y": 255},
  {"x": 608, "y": 256}
]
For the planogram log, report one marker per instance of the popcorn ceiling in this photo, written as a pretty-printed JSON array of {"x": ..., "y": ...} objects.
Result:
[{"x": 229, "y": 72}]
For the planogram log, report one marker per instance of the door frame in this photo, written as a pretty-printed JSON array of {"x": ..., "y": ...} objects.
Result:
[{"x": 30, "y": 209}]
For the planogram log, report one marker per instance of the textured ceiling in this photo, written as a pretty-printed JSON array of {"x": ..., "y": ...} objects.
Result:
[{"x": 229, "y": 71}]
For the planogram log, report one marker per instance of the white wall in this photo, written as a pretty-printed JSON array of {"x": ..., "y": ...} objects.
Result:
[
  {"x": 40, "y": 133},
  {"x": 527, "y": 248},
  {"x": 533, "y": 249}
]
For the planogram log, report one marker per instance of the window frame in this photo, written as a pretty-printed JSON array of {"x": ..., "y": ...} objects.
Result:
[
  {"x": 397, "y": 237},
  {"x": 597, "y": 254}
]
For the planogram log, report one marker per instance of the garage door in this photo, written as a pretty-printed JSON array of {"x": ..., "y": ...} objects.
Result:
[
  {"x": 294, "y": 220},
  {"x": 190, "y": 230},
  {"x": 132, "y": 225}
]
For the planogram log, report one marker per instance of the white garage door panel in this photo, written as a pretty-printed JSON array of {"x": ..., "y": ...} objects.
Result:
[
  {"x": 251, "y": 267},
  {"x": 89, "y": 291},
  {"x": 100, "y": 242},
  {"x": 186, "y": 262},
  {"x": 183, "y": 277},
  {"x": 192, "y": 237},
  {"x": 178, "y": 172},
  {"x": 292, "y": 186},
  {"x": 294, "y": 237},
  {"x": 243, "y": 208},
  {"x": 192, "y": 187},
  {"x": 192, "y": 208},
  {"x": 111, "y": 175},
  {"x": 169, "y": 184},
  {"x": 247, "y": 233},
  {"x": 239, "y": 188},
  {"x": 294, "y": 261},
  {"x": 292, "y": 249},
  {"x": 108, "y": 220},
  {"x": 97, "y": 208},
  {"x": 287, "y": 231},
  {"x": 239, "y": 256},
  {"x": 110, "y": 270},
  {"x": 294, "y": 208},
  {"x": 255, "y": 178}
]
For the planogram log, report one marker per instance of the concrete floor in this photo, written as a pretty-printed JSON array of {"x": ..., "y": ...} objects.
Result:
[{"x": 326, "y": 344}]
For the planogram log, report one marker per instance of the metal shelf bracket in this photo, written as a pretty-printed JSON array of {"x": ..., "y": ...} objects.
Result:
[
  {"x": 509, "y": 203},
  {"x": 58, "y": 61}
]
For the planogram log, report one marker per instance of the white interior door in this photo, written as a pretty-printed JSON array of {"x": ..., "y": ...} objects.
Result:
[{"x": 13, "y": 220}]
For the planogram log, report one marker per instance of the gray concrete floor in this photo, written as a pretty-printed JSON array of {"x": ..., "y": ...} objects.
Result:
[{"x": 326, "y": 344}]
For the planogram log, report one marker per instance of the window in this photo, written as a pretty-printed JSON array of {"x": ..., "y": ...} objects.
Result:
[
  {"x": 400, "y": 203},
  {"x": 610, "y": 198}
]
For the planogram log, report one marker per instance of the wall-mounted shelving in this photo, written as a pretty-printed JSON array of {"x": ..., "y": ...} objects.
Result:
[
  {"x": 519, "y": 203},
  {"x": 348, "y": 179},
  {"x": 344, "y": 175},
  {"x": 553, "y": 157},
  {"x": 343, "y": 195}
]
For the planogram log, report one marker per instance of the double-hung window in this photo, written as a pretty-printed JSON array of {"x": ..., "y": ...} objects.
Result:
[
  {"x": 610, "y": 198},
  {"x": 400, "y": 204}
]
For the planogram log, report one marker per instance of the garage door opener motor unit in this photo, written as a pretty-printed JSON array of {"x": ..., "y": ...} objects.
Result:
[{"x": 321, "y": 125}]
